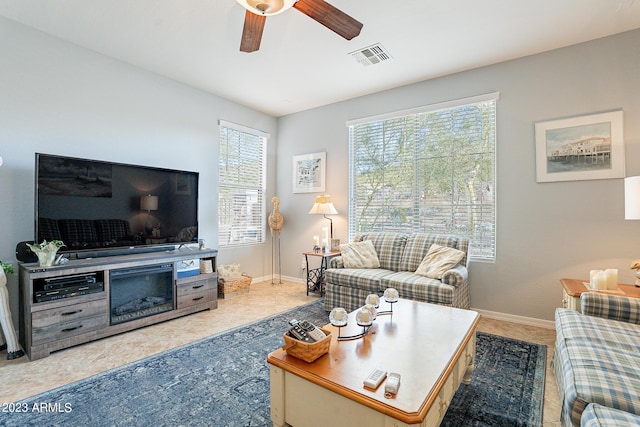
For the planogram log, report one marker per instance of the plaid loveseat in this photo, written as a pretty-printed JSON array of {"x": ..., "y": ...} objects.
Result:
[
  {"x": 399, "y": 255},
  {"x": 597, "y": 359}
]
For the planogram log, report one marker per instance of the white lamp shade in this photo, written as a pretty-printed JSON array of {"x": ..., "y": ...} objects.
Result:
[
  {"x": 323, "y": 206},
  {"x": 632, "y": 197},
  {"x": 267, "y": 7},
  {"x": 149, "y": 203}
]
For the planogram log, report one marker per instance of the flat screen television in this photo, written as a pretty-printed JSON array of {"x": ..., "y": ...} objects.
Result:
[{"x": 100, "y": 208}]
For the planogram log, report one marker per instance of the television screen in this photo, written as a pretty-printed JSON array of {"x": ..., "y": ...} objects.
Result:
[{"x": 100, "y": 207}]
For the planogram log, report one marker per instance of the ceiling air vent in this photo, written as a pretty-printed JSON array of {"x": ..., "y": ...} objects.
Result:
[{"x": 370, "y": 55}]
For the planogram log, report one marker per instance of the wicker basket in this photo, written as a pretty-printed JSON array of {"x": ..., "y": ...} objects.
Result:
[
  {"x": 229, "y": 288},
  {"x": 308, "y": 352}
]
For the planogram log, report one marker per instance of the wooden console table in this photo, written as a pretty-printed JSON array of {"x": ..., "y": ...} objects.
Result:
[{"x": 573, "y": 288}]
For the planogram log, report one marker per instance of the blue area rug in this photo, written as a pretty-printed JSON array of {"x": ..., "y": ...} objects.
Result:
[
  {"x": 223, "y": 380},
  {"x": 507, "y": 386}
]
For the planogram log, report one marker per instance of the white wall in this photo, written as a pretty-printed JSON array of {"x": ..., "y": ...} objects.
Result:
[
  {"x": 545, "y": 231},
  {"x": 58, "y": 98}
]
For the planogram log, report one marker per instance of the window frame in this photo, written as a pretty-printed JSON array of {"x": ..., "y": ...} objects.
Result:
[
  {"x": 488, "y": 252},
  {"x": 259, "y": 223}
]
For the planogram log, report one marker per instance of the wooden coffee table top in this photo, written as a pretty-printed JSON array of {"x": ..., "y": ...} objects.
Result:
[
  {"x": 420, "y": 341},
  {"x": 575, "y": 288}
]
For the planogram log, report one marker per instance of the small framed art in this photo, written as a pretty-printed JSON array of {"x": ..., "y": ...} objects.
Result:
[{"x": 309, "y": 173}]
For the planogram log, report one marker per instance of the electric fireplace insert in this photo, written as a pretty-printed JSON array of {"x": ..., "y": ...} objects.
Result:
[{"x": 140, "y": 292}]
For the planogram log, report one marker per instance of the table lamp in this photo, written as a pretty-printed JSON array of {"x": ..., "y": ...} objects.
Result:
[
  {"x": 148, "y": 203},
  {"x": 323, "y": 206}
]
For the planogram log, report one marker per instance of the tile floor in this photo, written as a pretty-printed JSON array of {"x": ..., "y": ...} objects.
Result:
[{"x": 22, "y": 378}]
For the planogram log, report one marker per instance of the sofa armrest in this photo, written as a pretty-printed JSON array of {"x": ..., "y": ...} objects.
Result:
[
  {"x": 615, "y": 307},
  {"x": 456, "y": 276},
  {"x": 336, "y": 262}
]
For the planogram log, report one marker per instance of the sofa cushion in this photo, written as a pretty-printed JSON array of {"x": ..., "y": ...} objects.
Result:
[
  {"x": 78, "y": 231},
  {"x": 359, "y": 278},
  {"x": 48, "y": 230},
  {"x": 600, "y": 416},
  {"x": 419, "y": 288},
  {"x": 596, "y": 361},
  {"x": 112, "y": 229},
  {"x": 389, "y": 247},
  {"x": 439, "y": 260},
  {"x": 418, "y": 245},
  {"x": 359, "y": 255}
]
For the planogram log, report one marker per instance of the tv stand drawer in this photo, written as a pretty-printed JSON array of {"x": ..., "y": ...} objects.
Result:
[
  {"x": 53, "y": 331},
  {"x": 193, "y": 299}
]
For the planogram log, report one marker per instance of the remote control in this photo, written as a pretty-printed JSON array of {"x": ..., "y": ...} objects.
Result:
[
  {"x": 306, "y": 331},
  {"x": 311, "y": 329},
  {"x": 392, "y": 384},
  {"x": 374, "y": 379}
]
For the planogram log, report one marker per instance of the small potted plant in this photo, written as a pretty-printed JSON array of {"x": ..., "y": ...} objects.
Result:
[
  {"x": 7, "y": 268},
  {"x": 46, "y": 251}
]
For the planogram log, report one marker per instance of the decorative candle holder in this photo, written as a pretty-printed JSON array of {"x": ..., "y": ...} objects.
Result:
[
  {"x": 339, "y": 318},
  {"x": 372, "y": 310},
  {"x": 390, "y": 296},
  {"x": 373, "y": 299}
]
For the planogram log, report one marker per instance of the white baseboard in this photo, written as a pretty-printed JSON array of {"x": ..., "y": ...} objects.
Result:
[
  {"x": 276, "y": 278},
  {"x": 505, "y": 317}
]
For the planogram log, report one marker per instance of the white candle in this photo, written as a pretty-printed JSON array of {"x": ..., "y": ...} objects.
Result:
[
  {"x": 316, "y": 240},
  {"x": 600, "y": 280},
  {"x": 340, "y": 314},
  {"x": 372, "y": 299},
  {"x": 611, "y": 277},
  {"x": 592, "y": 273}
]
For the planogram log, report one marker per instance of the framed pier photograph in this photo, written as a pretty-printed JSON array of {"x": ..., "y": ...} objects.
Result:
[{"x": 580, "y": 148}]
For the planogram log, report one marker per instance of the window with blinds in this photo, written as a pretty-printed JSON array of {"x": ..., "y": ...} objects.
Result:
[
  {"x": 242, "y": 170},
  {"x": 431, "y": 169}
]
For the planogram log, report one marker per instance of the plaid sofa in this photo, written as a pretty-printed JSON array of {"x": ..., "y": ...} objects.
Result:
[
  {"x": 399, "y": 255},
  {"x": 597, "y": 359}
]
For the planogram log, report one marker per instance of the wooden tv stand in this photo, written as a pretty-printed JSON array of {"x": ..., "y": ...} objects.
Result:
[{"x": 53, "y": 325}]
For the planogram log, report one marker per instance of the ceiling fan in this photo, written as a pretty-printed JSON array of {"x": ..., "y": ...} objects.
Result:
[{"x": 318, "y": 10}]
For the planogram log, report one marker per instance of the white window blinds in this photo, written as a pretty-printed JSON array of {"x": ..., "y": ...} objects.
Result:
[
  {"x": 427, "y": 170},
  {"x": 242, "y": 170}
]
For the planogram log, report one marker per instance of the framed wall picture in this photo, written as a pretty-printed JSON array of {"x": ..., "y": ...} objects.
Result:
[
  {"x": 580, "y": 148},
  {"x": 309, "y": 173}
]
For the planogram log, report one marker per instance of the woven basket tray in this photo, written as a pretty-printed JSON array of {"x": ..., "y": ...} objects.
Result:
[{"x": 308, "y": 352}]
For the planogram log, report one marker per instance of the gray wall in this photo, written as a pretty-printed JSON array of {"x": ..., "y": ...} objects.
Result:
[
  {"x": 545, "y": 231},
  {"x": 58, "y": 98}
]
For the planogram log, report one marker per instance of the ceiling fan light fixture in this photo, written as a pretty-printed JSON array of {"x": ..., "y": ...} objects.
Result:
[{"x": 267, "y": 7}]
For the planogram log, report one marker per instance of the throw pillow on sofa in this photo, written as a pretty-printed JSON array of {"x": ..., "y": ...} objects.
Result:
[
  {"x": 359, "y": 255},
  {"x": 438, "y": 260}
]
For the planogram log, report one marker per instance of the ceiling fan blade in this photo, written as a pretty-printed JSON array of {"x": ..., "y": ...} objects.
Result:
[
  {"x": 331, "y": 17},
  {"x": 252, "y": 32}
]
